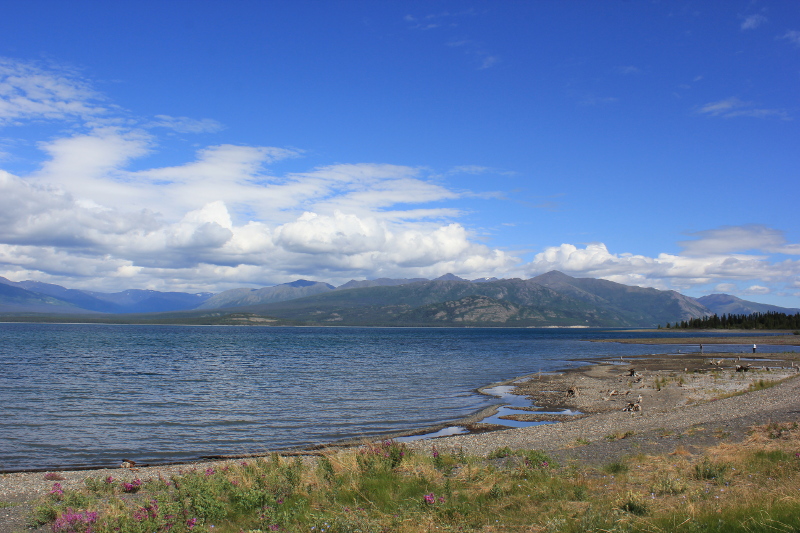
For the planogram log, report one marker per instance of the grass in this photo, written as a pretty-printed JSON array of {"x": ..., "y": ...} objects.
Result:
[
  {"x": 384, "y": 487},
  {"x": 619, "y": 435}
]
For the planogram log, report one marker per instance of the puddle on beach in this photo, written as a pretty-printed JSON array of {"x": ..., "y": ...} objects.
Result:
[
  {"x": 446, "y": 432},
  {"x": 513, "y": 404}
]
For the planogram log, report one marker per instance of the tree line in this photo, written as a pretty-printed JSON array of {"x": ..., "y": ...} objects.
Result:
[{"x": 769, "y": 320}]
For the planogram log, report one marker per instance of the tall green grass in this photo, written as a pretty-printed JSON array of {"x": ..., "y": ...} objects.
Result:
[{"x": 384, "y": 487}]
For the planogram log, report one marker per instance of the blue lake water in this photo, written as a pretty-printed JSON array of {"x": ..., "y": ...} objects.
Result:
[{"x": 76, "y": 395}]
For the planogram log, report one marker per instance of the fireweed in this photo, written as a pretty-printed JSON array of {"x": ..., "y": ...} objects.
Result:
[
  {"x": 74, "y": 522},
  {"x": 385, "y": 487}
]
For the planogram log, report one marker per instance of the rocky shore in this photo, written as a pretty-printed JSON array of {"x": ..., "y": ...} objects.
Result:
[{"x": 646, "y": 405}]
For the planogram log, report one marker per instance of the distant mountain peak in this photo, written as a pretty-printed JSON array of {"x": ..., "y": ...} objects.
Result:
[
  {"x": 553, "y": 275},
  {"x": 304, "y": 283},
  {"x": 449, "y": 277},
  {"x": 726, "y": 304}
]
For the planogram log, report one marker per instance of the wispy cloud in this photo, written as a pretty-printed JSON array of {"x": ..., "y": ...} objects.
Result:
[
  {"x": 186, "y": 124},
  {"x": 593, "y": 100},
  {"x": 31, "y": 91},
  {"x": 489, "y": 61},
  {"x": 752, "y": 22},
  {"x": 738, "y": 239},
  {"x": 734, "y": 107},
  {"x": 628, "y": 70},
  {"x": 793, "y": 36}
]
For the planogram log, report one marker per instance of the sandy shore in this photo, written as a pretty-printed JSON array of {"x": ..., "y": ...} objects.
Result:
[{"x": 686, "y": 401}]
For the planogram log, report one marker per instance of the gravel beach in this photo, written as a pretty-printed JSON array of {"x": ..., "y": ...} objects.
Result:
[{"x": 644, "y": 406}]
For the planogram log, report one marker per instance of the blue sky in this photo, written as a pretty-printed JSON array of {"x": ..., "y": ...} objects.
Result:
[{"x": 201, "y": 146}]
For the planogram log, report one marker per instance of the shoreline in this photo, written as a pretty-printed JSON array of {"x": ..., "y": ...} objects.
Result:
[
  {"x": 543, "y": 400},
  {"x": 547, "y": 392},
  {"x": 688, "y": 407},
  {"x": 709, "y": 407}
]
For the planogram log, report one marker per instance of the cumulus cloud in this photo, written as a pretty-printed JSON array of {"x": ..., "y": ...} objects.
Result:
[
  {"x": 715, "y": 257},
  {"x": 355, "y": 230},
  {"x": 224, "y": 218},
  {"x": 757, "y": 289}
]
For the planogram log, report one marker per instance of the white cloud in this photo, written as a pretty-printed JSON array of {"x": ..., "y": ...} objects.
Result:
[
  {"x": 186, "y": 124},
  {"x": 729, "y": 239},
  {"x": 225, "y": 219},
  {"x": 793, "y": 36},
  {"x": 734, "y": 107},
  {"x": 351, "y": 235},
  {"x": 712, "y": 258},
  {"x": 757, "y": 289},
  {"x": 29, "y": 91},
  {"x": 753, "y": 21},
  {"x": 488, "y": 61}
]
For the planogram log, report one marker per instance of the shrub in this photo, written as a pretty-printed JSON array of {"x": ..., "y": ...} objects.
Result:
[{"x": 708, "y": 471}]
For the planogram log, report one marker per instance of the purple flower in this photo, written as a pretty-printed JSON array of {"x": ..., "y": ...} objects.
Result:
[
  {"x": 133, "y": 486},
  {"x": 72, "y": 522},
  {"x": 57, "y": 490},
  {"x": 109, "y": 479},
  {"x": 191, "y": 523},
  {"x": 430, "y": 499},
  {"x": 210, "y": 471}
]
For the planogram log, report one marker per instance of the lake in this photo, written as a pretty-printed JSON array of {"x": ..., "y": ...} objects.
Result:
[{"x": 78, "y": 395}]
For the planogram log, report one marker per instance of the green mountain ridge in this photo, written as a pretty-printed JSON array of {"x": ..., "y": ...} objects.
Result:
[
  {"x": 513, "y": 302},
  {"x": 551, "y": 299}
]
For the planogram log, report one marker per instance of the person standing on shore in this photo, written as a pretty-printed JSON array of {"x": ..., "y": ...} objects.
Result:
[{"x": 754, "y": 348}]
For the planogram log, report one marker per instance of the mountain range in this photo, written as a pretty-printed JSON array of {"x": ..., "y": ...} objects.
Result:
[{"x": 551, "y": 299}]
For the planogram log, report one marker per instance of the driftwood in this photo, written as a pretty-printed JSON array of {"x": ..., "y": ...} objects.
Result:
[
  {"x": 632, "y": 407},
  {"x": 743, "y": 368}
]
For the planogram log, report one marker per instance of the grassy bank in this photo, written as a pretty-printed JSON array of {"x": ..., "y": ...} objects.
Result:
[{"x": 750, "y": 486}]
